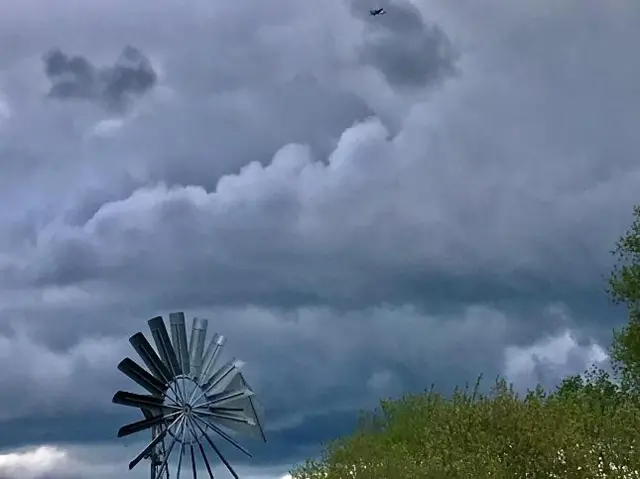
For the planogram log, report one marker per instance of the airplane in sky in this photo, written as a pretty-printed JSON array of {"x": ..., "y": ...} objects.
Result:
[{"x": 375, "y": 13}]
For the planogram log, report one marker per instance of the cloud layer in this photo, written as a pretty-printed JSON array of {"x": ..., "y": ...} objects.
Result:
[{"x": 362, "y": 205}]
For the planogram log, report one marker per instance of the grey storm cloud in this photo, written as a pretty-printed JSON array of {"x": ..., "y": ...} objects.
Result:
[
  {"x": 75, "y": 77},
  {"x": 404, "y": 47},
  {"x": 360, "y": 210}
]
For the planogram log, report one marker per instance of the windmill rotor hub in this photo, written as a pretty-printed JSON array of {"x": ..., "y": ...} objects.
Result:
[{"x": 184, "y": 392}]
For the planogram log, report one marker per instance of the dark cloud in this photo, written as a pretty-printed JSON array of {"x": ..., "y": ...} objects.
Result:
[
  {"x": 404, "y": 47},
  {"x": 75, "y": 77},
  {"x": 300, "y": 110},
  {"x": 284, "y": 446},
  {"x": 81, "y": 76}
]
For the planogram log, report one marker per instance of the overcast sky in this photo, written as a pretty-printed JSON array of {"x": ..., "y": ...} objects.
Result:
[{"x": 363, "y": 206}]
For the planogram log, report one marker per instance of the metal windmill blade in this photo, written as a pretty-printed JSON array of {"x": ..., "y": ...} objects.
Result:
[{"x": 189, "y": 398}]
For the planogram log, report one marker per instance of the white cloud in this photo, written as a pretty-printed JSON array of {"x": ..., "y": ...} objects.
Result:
[
  {"x": 5, "y": 109},
  {"x": 35, "y": 463},
  {"x": 97, "y": 462},
  {"x": 380, "y": 381},
  {"x": 108, "y": 127},
  {"x": 551, "y": 358}
]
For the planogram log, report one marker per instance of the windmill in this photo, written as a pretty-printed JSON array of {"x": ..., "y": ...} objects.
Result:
[{"x": 189, "y": 399}]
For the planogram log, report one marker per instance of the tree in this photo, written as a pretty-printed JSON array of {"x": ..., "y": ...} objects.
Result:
[
  {"x": 574, "y": 432},
  {"x": 624, "y": 288}
]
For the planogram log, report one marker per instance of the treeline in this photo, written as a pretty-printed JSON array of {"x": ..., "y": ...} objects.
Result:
[{"x": 586, "y": 428}]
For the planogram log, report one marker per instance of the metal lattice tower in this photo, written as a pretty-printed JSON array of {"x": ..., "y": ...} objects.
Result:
[{"x": 157, "y": 455}]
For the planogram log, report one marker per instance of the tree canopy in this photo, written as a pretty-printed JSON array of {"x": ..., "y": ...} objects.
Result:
[
  {"x": 588, "y": 427},
  {"x": 624, "y": 287}
]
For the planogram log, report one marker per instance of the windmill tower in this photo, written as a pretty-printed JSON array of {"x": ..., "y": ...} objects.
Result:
[{"x": 157, "y": 455}]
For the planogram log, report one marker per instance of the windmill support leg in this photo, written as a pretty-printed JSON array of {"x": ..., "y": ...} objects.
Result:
[{"x": 157, "y": 457}]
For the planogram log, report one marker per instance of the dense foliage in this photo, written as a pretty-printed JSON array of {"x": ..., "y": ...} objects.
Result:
[
  {"x": 624, "y": 287},
  {"x": 589, "y": 427}
]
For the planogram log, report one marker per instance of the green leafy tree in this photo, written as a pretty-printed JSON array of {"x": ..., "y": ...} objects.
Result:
[
  {"x": 624, "y": 287},
  {"x": 574, "y": 432}
]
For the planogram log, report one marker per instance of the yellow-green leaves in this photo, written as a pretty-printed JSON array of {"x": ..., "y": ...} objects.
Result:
[{"x": 574, "y": 432}]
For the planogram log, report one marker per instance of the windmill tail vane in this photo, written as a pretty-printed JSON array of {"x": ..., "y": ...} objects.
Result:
[{"x": 190, "y": 399}]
